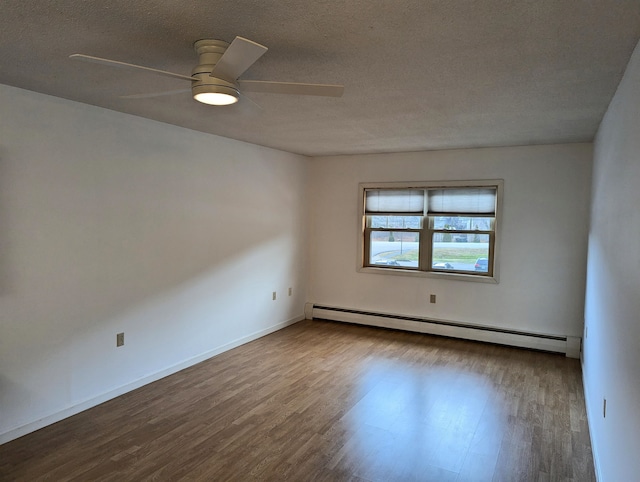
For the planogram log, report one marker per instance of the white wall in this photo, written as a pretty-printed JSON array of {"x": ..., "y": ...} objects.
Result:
[
  {"x": 112, "y": 223},
  {"x": 611, "y": 367},
  {"x": 542, "y": 254}
]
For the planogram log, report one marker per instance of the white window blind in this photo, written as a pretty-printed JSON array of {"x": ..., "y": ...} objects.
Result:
[
  {"x": 463, "y": 200},
  {"x": 391, "y": 201}
]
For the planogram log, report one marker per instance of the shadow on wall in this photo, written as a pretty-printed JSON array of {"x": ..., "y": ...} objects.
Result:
[
  {"x": 181, "y": 253},
  {"x": 86, "y": 247}
]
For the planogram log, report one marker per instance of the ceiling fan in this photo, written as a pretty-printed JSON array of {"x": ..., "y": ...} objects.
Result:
[{"x": 215, "y": 80}]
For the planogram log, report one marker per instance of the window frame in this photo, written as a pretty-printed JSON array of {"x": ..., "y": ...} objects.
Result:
[
  {"x": 427, "y": 231},
  {"x": 367, "y": 234}
]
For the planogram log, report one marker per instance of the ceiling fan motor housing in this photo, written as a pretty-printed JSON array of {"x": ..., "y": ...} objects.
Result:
[{"x": 209, "y": 53}]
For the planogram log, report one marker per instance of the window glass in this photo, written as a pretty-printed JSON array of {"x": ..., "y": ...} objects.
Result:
[
  {"x": 449, "y": 250},
  {"x": 397, "y": 222},
  {"x": 468, "y": 223},
  {"x": 394, "y": 248}
]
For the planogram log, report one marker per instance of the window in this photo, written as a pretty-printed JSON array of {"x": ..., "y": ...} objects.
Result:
[{"x": 431, "y": 229}]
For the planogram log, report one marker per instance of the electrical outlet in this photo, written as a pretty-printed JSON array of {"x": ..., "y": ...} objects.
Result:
[
  {"x": 120, "y": 339},
  {"x": 604, "y": 408},
  {"x": 432, "y": 299},
  {"x": 274, "y": 295},
  {"x": 290, "y": 291}
]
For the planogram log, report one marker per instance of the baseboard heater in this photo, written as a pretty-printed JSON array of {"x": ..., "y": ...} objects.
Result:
[{"x": 568, "y": 345}]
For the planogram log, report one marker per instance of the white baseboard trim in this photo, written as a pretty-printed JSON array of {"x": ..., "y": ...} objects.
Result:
[
  {"x": 97, "y": 400},
  {"x": 570, "y": 346},
  {"x": 594, "y": 444}
]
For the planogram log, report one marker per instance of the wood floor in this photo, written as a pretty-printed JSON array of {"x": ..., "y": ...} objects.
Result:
[{"x": 331, "y": 402}]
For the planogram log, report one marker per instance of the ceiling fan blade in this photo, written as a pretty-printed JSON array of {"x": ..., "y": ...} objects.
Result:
[
  {"x": 251, "y": 101},
  {"x": 155, "y": 94},
  {"x": 238, "y": 57},
  {"x": 124, "y": 65},
  {"x": 295, "y": 88}
]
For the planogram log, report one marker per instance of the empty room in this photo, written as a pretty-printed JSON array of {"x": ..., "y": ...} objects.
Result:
[{"x": 333, "y": 241}]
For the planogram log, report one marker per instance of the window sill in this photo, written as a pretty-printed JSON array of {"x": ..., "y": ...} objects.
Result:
[{"x": 429, "y": 274}]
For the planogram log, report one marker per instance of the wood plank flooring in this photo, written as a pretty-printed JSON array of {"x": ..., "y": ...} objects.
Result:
[{"x": 331, "y": 402}]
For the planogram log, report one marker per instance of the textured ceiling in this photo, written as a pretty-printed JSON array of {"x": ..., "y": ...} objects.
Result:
[{"x": 418, "y": 74}]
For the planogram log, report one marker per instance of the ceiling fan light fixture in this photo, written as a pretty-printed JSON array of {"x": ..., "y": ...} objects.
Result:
[{"x": 215, "y": 94}]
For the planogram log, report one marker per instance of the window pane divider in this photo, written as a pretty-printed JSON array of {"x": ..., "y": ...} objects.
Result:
[
  {"x": 404, "y": 230},
  {"x": 460, "y": 231},
  {"x": 398, "y": 213},
  {"x": 465, "y": 215}
]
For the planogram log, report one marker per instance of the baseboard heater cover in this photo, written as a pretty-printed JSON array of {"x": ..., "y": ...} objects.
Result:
[{"x": 554, "y": 343}]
